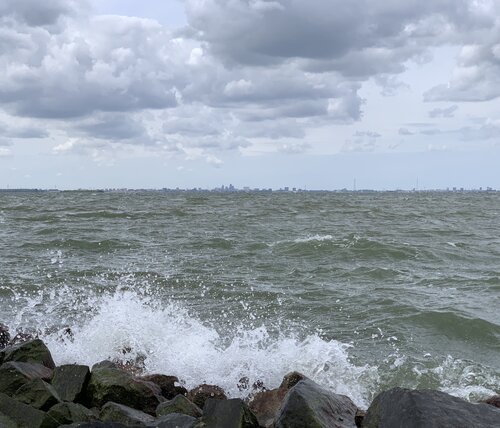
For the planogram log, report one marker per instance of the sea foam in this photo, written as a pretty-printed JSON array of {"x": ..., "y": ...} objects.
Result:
[{"x": 170, "y": 340}]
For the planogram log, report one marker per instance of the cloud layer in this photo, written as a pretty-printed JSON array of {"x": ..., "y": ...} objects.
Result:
[{"x": 239, "y": 74}]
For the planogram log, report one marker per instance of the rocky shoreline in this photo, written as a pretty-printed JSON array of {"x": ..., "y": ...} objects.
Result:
[{"x": 34, "y": 393}]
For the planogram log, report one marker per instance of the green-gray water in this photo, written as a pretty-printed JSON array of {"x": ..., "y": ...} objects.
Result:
[{"x": 361, "y": 291}]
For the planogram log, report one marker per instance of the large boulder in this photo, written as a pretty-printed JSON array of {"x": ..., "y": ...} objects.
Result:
[
  {"x": 24, "y": 415},
  {"x": 232, "y": 413},
  {"x": 168, "y": 386},
  {"x": 174, "y": 420},
  {"x": 70, "y": 381},
  {"x": 203, "y": 392},
  {"x": 179, "y": 404},
  {"x": 309, "y": 405},
  {"x": 37, "y": 394},
  {"x": 114, "y": 412},
  {"x": 265, "y": 404},
  {"x": 33, "y": 351},
  {"x": 111, "y": 384},
  {"x": 13, "y": 375},
  {"x": 67, "y": 413},
  {"x": 399, "y": 407}
]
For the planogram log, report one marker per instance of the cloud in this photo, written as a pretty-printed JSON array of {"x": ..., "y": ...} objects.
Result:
[
  {"x": 362, "y": 141},
  {"x": 443, "y": 112},
  {"x": 405, "y": 131},
  {"x": 240, "y": 73}
]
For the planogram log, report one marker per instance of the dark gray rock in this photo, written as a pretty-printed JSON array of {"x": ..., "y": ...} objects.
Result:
[
  {"x": 168, "y": 386},
  {"x": 400, "y": 407},
  {"x": 493, "y": 401},
  {"x": 24, "y": 415},
  {"x": 33, "y": 351},
  {"x": 96, "y": 424},
  {"x": 114, "y": 412},
  {"x": 111, "y": 384},
  {"x": 13, "y": 375},
  {"x": 37, "y": 394},
  {"x": 203, "y": 392},
  {"x": 6, "y": 422},
  {"x": 307, "y": 405},
  {"x": 4, "y": 337},
  {"x": 174, "y": 420},
  {"x": 106, "y": 364},
  {"x": 70, "y": 381},
  {"x": 179, "y": 404},
  {"x": 232, "y": 413},
  {"x": 265, "y": 404},
  {"x": 67, "y": 413}
]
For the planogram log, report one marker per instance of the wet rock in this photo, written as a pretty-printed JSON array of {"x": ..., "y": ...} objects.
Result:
[
  {"x": 114, "y": 412},
  {"x": 179, "y": 404},
  {"x": 106, "y": 364},
  {"x": 111, "y": 384},
  {"x": 493, "y": 401},
  {"x": 4, "y": 337},
  {"x": 203, "y": 392},
  {"x": 359, "y": 418},
  {"x": 24, "y": 415},
  {"x": 232, "y": 413},
  {"x": 95, "y": 424},
  {"x": 400, "y": 407},
  {"x": 6, "y": 422},
  {"x": 33, "y": 351},
  {"x": 265, "y": 404},
  {"x": 174, "y": 420},
  {"x": 309, "y": 405},
  {"x": 67, "y": 413},
  {"x": 168, "y": 386},
  {"x": 37, "y": 394},
  {"x": 70, "y": 382},
  {"x": 14, "y": 375}
]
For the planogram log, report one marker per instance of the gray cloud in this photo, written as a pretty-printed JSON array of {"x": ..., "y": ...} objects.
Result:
[
  {"x": 405, "y": 131},
  {"x": 267, "y": 70},
  {"x": 443, "y": 112}
]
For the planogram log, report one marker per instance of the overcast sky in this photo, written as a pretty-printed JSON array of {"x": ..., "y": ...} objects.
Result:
[{"x": 260, "y": 93}]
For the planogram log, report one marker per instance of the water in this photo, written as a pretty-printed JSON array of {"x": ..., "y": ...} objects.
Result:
[{"x": 359, "y": 291}]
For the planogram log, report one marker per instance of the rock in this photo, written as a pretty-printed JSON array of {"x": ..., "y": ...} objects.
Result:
[
  {"x": 309, "y": 405},
  {"x": 265, "y": 404},
  {"x": 37, "y": 394},
  {"x": 201, "y": 393},
  {"x": 493, "y": 401},
  {"x": 6, "y": 422},
  {"x": 114, "y": 412},
  {"x": 24, "y": 415},
  {"x": 14, "y": 375},
  {"x": 400, "y": 407},
  {"x": 359, "y": 417},
  {"x": 111, "y": 384},
  {"x": 4, "y": 337},
  {"x": 70, "y": 382},
  {"x": 232, "y": 413},
  {"x": 33, "y": 351},
  {"x": 167, "y": 384},
  {"x": 67, "y": 413},
  {"x": 106, "y": 364},
  {"x": 174, "y": 420},
  {"x": 179, "y": 404},
  {"x": 95, "y": 424}
]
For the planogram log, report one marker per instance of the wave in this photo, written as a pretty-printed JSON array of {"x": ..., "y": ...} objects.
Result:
[{"x": 170, "y": 340}]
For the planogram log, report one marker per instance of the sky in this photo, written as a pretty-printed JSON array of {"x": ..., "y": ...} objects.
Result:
[{"x": 316, "y": 94}]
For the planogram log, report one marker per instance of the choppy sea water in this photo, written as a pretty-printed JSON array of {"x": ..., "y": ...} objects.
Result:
[{"x": 360, "y": 291}]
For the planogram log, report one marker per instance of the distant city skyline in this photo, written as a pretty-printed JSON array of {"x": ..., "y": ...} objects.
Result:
[{"x": 258, "y": 93}]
